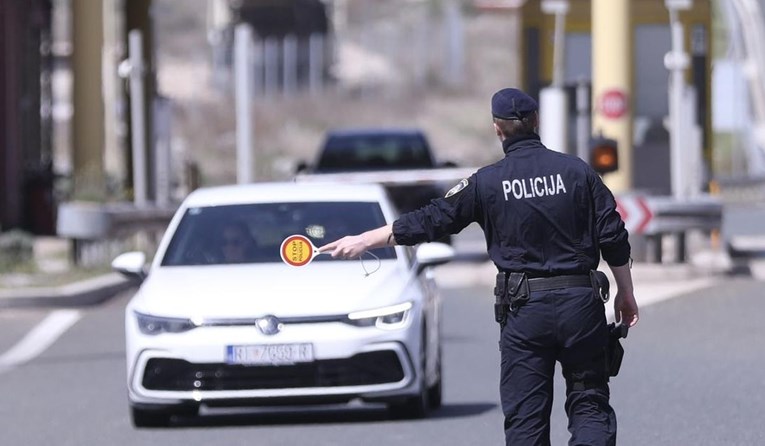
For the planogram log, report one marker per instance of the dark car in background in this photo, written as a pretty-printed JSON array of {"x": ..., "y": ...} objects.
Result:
[{"x": 372, "y": 150}]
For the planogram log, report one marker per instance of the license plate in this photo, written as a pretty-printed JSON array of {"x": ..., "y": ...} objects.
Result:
[{"x": 274, "y": 354}]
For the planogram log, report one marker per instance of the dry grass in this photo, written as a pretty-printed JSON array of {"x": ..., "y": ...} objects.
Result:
[
  {"x": 290, "y": 130},
  {"x": 42, "y": 279}
]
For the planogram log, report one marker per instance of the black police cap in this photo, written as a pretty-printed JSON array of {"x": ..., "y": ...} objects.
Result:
[{"x": 512, "y": 104}]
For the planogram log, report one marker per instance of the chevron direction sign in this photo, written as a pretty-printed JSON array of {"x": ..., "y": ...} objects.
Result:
[{"x": 635, "y": 212}]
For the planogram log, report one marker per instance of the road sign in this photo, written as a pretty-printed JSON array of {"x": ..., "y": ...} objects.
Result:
[
  {"x": 613, "y": 104},
  {"x": 297, "y": 250},
  {"x": 635, "y": 212}
]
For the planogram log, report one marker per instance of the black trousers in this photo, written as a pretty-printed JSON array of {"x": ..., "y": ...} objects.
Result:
[{"x": 565, "y": 325}]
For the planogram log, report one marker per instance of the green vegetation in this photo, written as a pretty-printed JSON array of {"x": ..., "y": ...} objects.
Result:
[
  {"x": 25, "y": 263},
  {"x": 30, "y": 277},
  {"x": 16, "y": 250}
]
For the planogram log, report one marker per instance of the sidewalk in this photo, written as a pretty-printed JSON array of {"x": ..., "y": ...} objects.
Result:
[
  {"x": 83, "y": 293},
  {"x": 51, "y": 262}
]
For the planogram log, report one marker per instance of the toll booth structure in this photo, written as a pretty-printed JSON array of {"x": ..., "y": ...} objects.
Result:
[{"x": 649, "y": 40}]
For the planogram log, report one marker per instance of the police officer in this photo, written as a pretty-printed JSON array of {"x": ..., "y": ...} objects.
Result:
[{"x": 547, "y": 218}]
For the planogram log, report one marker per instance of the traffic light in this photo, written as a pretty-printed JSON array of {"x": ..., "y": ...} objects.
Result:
[{"x": 604, "y": 156}]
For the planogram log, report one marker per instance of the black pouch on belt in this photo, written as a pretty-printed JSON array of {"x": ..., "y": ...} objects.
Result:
[
  {"x": 500, "y": 292},
  {"x": 615, "y": 350},
  {"x": 517, "y": 290},
  {"x": 600, "y": 284}
]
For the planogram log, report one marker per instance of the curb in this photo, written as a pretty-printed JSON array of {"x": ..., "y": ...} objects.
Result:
[{"x": 87, "y": 292}]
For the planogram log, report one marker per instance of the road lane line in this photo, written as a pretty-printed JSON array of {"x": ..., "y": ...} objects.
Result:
[
  {"x": 42, "y": 336},
  {"x": 652, "y": 283},
  {"x": 648, "y": 294}
]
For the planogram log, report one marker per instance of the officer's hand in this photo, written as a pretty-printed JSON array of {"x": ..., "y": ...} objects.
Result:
[
  {"x": 348, "y": 247},
  {"x": 625, "y": 308}
]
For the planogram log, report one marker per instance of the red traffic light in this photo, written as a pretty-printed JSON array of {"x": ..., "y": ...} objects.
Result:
[{"x": 604, "y": 156}]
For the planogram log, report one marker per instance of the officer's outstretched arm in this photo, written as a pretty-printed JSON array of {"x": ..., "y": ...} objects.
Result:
[
  {"x": 352, "y": 246},
  {"x": 625, "y": 306}
]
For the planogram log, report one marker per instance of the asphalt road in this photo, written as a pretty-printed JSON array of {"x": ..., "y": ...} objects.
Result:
[{"x": 692, "y": 375}]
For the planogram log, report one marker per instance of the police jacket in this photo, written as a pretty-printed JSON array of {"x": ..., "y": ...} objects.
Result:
[{"x": 542, "y": 212}]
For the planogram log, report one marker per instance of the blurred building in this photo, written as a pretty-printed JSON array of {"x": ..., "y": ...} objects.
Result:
[
  {"x": 286, "y": 33},
  {"x": 279, "y": 18},
  {"x": 26, "y": 174}
]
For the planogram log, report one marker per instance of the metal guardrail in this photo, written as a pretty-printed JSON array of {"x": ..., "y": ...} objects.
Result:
[
  {"x": 650, "y": 219},
  {"x": 91, "y": 224},
  {"x": 742, "y": 190},
  {"x": 672, "y": 215},
  {"x": 95, "y": 228},
  {"x": 743, "y": 232},
  {"x": 93, "y": 221}
]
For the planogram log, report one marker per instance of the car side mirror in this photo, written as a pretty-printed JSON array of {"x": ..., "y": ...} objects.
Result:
[
  {"x": 433, "y": 254},
  {"x": 131, "y": 265}
]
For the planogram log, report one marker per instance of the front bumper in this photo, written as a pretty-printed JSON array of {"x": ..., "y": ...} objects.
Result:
[{"x": 349, "y": 363}]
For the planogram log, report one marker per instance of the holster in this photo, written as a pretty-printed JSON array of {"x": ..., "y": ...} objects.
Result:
[
  {"x": 615, "y": 352},
  {"x": 517, "y": 291},
  {"x": 600, "y": 284},
  {"x": 500, "y": 292},
  {"x": 511, "y": 291}
]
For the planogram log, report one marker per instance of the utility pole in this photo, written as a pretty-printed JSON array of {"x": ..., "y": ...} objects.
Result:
[
  {"x": 243, "y": 80},
  {"x": 612, "y": 83},
  {"x": 138, "y": 18},
  {"x": 583, "y": 130},
  {"x": 553, "y": 107},
  {"x": 88, "y": 121},
  {"x": 138, "y": 119},
  {"x": 677, "y": 61}
]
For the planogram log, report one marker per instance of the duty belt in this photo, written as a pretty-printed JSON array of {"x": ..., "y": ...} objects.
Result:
[
  {"x": 513, "y": 290},
  {"x": 556, "y": 282}
]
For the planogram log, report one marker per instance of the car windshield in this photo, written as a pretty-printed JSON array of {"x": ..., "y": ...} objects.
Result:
[
  {"x": 253, "y": 233},
  {"x": 374, "y": 152}
]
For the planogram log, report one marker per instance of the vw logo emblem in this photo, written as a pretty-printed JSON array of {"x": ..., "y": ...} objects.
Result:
[{"x": 269, "y": 325}]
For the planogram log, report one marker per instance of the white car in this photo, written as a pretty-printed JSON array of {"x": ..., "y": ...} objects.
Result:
[{"x": 221, "y": 320}]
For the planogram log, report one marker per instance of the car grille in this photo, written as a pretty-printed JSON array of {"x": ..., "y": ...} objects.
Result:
[{"x": 363, "y": 369}]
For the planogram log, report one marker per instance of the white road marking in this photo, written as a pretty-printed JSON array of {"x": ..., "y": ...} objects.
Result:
[
  {"x": 42, "y": 336},
  {"x": 650, "y": 293},
  {"x": 652, "y": 283}
]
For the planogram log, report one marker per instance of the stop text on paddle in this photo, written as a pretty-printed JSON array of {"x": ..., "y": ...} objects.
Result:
[{"x": 297, "y": 250}]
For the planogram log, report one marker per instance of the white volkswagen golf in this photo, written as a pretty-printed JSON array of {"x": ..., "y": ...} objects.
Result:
[{"x": 221, "y": 320}]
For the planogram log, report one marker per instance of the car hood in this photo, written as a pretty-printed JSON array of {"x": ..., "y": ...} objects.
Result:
[{"x": 321, "y": 288}]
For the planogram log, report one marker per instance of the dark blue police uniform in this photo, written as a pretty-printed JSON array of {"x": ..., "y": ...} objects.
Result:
[{"x": 545, "y": 214}]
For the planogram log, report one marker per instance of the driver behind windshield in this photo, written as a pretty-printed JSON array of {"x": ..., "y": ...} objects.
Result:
[{"x": 236, "y": 243}]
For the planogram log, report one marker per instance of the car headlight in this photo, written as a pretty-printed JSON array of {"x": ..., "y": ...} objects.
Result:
[
  {"x": 387, "y": 317},
  {"x": 154, "y": 325}
]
